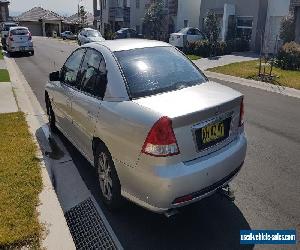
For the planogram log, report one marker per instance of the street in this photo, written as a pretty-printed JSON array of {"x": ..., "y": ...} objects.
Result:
[{"x": 267, "y": 188}]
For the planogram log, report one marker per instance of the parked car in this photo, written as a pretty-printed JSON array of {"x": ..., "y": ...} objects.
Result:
[
  {"x": 4, "y": 31},
  {"x": 126, "y": 33},
  {"x": 156, "y": 129},
  {"x": 185, "y": 36},
  {"x": 19, "y": 40},
  {"x": 68, "y": 35},
  {"x": 88, "y": 35}
]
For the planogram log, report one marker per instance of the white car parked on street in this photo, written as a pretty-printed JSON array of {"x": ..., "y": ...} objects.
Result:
[
  {"x": 19, "y": 40},
  {"x": 88, "y": 35},
  {"x": 185, "y": 36}
]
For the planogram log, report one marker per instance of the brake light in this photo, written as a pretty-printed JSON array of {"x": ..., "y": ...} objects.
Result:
[
  {"x": 161, "y": 140},
  {"x": 29, "y": 36},
  {"x": 242, "y": 113}
]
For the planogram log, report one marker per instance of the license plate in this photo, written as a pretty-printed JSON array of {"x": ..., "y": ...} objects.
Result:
[
  {"x": 212, "y": 133},
  {"x": 22, "y": 48}
]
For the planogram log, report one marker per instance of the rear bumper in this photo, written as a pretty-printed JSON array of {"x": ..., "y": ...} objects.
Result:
[
  {"x": 200, "y": 178},
  {"x": 20, "y": 48}
]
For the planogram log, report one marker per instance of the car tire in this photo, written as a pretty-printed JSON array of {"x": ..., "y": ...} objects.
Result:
[
  {"x": 108, "y": 180},
  {"x": 51, "y": 116},
  {"x": 32, "y": 53}
]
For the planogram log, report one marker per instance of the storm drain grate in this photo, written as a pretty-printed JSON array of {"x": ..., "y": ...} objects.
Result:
[{"x": 87, "y": 228}]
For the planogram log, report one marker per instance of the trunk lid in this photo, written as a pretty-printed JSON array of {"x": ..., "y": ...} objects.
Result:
[{"x": 194, "y": 108}]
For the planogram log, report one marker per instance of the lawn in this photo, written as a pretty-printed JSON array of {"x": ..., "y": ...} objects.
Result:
[
  {"x": 249, "y": 70},
  {"x": 193, "y": 57},
  {"x": 4, "y": 75},
  {"x": 20, "y": 184}
]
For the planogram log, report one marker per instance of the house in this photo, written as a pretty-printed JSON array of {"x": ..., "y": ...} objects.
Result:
[
  {"x": 73, "y": 23},
  {"x": 112, "y": 14},
  {"x": 295, "y": 7},
  {"x": 4, "y": 14},
  {"x": 41, "y": 22},
  {"x": 257, "y": 21},
  {"x": 180, "y": 14}
]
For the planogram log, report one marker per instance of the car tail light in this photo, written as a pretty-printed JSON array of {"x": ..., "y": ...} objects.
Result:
[
  {"x": 242, "y": 113},
  {"x": 29, "y": 36},
  {"x": 183, "y": 199},
  {"x": 161, "y": 140}
]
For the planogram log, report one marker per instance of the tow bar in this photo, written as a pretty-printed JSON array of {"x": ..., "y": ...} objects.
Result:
[{"x": 227, "y": 192}]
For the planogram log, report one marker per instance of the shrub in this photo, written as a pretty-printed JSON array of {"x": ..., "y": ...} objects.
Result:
[
  {"x": 288, "y": 57},
  {"x": 287, "y": 29},
  {"x": 204, "y": 48},
  {"x": 238, "y": 45}
]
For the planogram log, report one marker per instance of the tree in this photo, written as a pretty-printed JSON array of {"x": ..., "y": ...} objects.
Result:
[
  {"x": 287, "y": 29},
  {"x": 154, "y": 20},
  {"x": 212, "y": 27},
  {"x": 82, "y": 14}
]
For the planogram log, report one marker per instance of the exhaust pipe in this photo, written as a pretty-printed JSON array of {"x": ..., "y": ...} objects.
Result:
[
  {"x": 171, "y": 212},
  {"x": 227, "y": 192}
]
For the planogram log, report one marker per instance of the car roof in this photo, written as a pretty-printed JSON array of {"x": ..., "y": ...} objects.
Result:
[
  {"x": 18, "y": 27},
  {"x": 129, "y": 44},
  {"x": 88, "y": 29}
]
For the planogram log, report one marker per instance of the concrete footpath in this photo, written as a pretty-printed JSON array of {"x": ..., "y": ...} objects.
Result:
[
  {"x": 16, "y": 96},
  {"x": 207, "y": 63}
]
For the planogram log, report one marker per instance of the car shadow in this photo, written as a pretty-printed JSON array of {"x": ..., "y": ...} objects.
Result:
[
  {"x": 17, "y": 54},
  {"x": 213, "y": 223}
]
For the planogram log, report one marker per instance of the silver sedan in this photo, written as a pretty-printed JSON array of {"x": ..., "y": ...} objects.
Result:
[{"x": 157, "y": 131}]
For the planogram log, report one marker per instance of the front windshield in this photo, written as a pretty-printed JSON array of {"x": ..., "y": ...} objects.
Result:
[
  {"x": 150, "y": 71},
  {"x": 93, "y": 33}
]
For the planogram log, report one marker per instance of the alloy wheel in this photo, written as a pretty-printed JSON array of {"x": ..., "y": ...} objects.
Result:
[{"x": 105, "y": 178}]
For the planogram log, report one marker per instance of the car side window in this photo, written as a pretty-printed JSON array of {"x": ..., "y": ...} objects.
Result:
[
  {"x": 93, "y": 74},
  {"x": 198, "y": 33},
  {"x": 192, "y": 32},
  {"x": 71, "y": 68}
]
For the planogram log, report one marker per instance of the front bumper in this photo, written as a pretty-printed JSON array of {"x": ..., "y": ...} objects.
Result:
[{"x": 200, "y": 178}]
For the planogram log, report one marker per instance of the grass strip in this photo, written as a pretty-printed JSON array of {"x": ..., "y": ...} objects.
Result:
[
  {"x": 20, "y": 184},
  {"x": 249, "y": 70}
]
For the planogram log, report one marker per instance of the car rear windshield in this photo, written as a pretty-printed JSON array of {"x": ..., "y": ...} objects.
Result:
[
  {"x": 151, "y": 71},
  {"x": 93, "y": 33},
  {"x": 19, "y": 32}
]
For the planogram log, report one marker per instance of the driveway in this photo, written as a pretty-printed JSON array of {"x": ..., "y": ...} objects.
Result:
[
  {"x": 206, "y": 63},
  {"x": 267, "y": 188}
]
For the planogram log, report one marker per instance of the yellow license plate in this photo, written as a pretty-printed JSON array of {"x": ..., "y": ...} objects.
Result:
[{"x": 213, "y": 132}]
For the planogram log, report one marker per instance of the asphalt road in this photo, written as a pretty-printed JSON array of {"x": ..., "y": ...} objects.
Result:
[{"x": 267, "y": 188}]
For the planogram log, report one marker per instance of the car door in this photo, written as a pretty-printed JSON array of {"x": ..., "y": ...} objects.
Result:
[
  {"x": 63, "y": 92},
  {"x": 86, "y": 101}
]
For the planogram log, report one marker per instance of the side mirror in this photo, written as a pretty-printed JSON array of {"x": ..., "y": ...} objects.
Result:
[{"x": 54, "y": 76}]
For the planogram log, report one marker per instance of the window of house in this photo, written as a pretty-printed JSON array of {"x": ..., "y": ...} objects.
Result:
[
  {"x": 137, "y": 4},
  {"x": 186, "y": 23},
  {"x": 71, "y": 68},
  {"x": 244, "y": 27},
  {"x": 93, "y": 74}
]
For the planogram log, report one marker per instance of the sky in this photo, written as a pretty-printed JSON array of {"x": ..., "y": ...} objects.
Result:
[{"x": 59, "y": 6}]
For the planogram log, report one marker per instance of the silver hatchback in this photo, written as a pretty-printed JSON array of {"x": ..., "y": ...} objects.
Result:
[
  {"x": 156, "y": 129},
  {"x": 19, "y": 40}
]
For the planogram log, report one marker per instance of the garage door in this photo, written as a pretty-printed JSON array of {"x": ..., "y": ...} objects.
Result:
[{"x": 34, "y": 27}]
